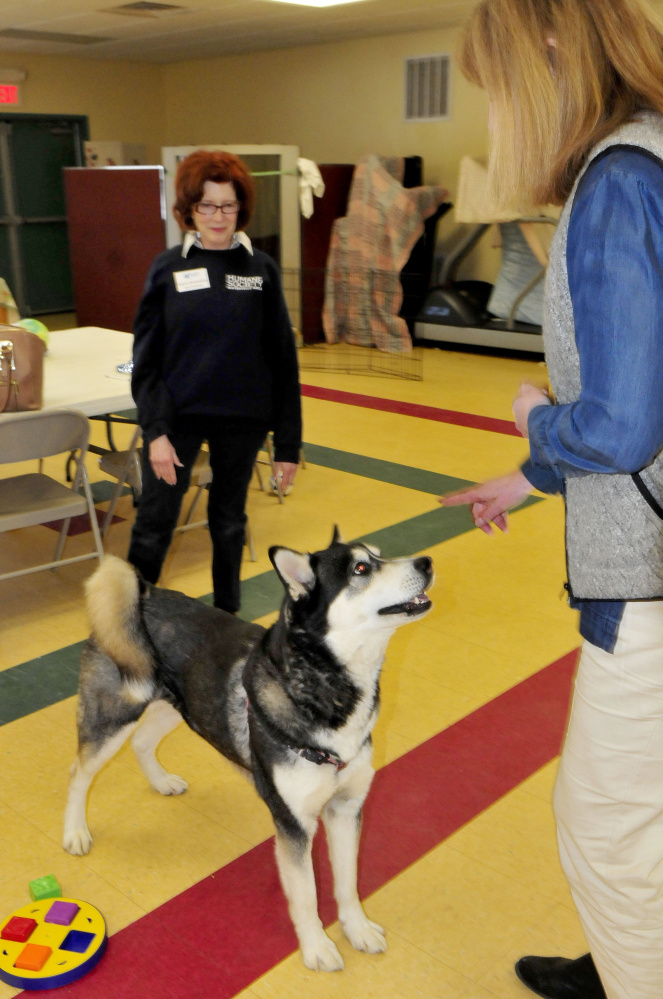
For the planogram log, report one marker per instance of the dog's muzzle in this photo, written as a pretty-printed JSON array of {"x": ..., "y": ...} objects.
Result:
[{"x": 421, "y": 602}]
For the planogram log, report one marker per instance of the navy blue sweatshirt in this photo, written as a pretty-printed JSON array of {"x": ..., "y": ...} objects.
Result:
[{"x": 224, "y": 351}]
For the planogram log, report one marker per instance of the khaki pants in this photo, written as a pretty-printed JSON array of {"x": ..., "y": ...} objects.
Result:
[{"x": 609, "y": 804}]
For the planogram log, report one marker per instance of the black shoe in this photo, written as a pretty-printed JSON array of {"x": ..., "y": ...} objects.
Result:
[{"x": 559, "y": 978}]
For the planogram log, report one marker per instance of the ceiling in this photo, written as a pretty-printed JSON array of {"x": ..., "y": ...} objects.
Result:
[{"x": 194, "y": 29}]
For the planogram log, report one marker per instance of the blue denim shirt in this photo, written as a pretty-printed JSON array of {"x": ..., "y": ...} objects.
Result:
[{"x": 615, "y": 267}]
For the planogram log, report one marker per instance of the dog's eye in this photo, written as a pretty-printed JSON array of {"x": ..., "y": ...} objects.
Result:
[{"x": 362, "y": 568}]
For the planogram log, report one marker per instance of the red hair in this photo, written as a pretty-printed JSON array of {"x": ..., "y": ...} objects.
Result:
[{"x": 222, "y": 168}]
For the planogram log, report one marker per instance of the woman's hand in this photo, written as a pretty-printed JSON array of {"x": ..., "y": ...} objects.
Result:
[
  {"x": 527, "y": 399},
  {"x": 491, "y": 500},
  {"x": 287, "y": 470},
  {"x": 163, "y": 459}
]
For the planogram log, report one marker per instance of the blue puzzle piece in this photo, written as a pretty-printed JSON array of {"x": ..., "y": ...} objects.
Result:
[{"x": 77, "y": 941}]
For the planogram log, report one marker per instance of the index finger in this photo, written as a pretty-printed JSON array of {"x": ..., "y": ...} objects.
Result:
[{"x": 460, "y": 497}]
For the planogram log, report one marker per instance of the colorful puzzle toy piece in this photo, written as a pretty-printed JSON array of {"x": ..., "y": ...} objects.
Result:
[
  {"x": 33, "y": 957},
  {"x": 48, "y": 944},
  {"x": 62, "y": 913},
  {"x": 46, "y": 887},
  {"x": 18, "y": 929}
]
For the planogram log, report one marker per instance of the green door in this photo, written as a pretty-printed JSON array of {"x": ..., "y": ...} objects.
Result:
[{"x": 34, "y": 250}]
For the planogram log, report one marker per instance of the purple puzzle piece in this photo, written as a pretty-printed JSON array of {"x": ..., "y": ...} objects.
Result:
[{"x": 61, "y": 913}]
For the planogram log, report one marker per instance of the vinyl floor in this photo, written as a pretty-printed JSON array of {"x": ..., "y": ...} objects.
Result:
[{"x": 458, "y": 859}]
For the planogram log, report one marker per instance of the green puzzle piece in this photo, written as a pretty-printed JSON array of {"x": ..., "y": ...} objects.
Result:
[{"x": 46, "y": 887}]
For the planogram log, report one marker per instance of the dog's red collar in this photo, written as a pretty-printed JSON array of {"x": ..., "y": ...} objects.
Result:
[{"x": 318, "y": 757}]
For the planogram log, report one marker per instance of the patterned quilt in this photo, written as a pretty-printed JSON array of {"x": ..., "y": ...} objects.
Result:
[{"x": 368, "y": 250}]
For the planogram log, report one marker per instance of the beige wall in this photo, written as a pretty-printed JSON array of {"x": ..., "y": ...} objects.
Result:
[
  {"x": 336, "y": 102},
  {"x": 123, "y": 100}
]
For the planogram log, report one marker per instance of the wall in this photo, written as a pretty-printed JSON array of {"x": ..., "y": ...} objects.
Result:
[
  {"x": 336, "y": 102},
  {"x": 123, "y": 100}
]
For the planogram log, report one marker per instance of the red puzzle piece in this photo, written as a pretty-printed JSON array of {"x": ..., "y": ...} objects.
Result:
[{"x": 18, "y": 929}]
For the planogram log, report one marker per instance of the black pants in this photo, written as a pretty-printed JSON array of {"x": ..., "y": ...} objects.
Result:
[{"x": 233, "y": 448}]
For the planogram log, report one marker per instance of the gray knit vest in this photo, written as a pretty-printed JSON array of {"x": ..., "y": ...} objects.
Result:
[{"x": 614, "y": 534}]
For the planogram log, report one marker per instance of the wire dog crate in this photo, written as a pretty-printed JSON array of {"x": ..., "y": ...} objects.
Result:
[{"x": 304, "y": 292}]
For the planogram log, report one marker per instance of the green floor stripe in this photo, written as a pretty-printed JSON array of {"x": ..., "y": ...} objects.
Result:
[
  {"x": 51, "y": 678},
  {"x": 383, "y": 471},
  {"x": 103, "y": 490},
  {"x": 40, "y": 682}
]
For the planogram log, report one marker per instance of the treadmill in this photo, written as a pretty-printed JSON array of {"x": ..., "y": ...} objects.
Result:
[{"x": 504, "y": 316}]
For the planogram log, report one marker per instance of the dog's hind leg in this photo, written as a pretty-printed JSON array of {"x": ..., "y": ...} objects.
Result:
[
  {"x": 77, "y": 838},
  {"x": 295, "y": 865},
  {"x": 159, "y": 719},
  {"x": 342, "y": 820}
]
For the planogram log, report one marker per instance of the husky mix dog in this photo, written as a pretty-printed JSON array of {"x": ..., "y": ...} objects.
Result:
[{"x": 294, "y": 705}]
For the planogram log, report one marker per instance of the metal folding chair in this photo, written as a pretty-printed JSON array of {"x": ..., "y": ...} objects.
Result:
[
  {"x": 36, "y": 498},
  {"x": 125, "y": 466},
  {"x": 203, "y": 476}
]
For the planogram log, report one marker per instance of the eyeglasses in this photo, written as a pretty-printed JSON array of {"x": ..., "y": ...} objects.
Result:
[{"x": 208, "y": 208}]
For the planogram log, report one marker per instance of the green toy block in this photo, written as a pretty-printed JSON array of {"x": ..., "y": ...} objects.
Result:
[{"x": 46, "y": 887}]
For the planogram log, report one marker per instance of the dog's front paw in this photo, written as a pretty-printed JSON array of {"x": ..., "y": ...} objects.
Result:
[
  {"x": 364, "y": 935},
  {"x": 322, "y": 954},
  {"x": 170, "y": 784},
  {"x": 77, "y": 841}
]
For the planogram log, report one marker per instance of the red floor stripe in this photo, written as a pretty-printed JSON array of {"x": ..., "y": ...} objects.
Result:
[
  {"x": 80, "y": 524},
  {"x": 229, "y": 929},
  {"x": 413, "y": 409}
]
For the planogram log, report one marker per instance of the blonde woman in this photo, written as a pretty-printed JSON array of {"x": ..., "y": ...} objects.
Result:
[{"x": 576, "y": 98}]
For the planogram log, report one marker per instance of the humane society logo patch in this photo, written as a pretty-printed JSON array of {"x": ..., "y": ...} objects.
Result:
[{"x": 236, "y": 283}]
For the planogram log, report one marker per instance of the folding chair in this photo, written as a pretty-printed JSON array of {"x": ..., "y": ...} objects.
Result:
[
  {"x": 125, "y": 466},
  {"x": 37, "y": 498},
  {"x": 202, "y": 473}
]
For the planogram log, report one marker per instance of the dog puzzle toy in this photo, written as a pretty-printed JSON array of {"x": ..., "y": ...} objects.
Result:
[
  {"x": 46, "y": 887},
  {"x": 50, "y": 943}
]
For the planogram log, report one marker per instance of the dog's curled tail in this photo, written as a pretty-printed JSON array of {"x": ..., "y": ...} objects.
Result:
[{"x": 113, "y": 598}]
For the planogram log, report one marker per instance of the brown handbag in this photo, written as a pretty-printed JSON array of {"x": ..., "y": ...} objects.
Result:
[{"x": 21, "y": 369}]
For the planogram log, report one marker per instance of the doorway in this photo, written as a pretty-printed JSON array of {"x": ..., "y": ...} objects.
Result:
[{"x": 34, "y": 247}]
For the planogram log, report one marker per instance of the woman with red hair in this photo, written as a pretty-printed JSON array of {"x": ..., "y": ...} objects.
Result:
[{"x": 214, "y": 360}]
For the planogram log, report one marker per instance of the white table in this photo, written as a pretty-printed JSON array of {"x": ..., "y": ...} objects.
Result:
[{"x": 80, "y": 371}]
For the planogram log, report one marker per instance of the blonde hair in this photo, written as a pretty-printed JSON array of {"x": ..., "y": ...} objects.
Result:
[{"x": 561, "y": 75}]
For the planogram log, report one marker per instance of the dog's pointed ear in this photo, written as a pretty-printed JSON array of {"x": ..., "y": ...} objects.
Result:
[
  {"x": 337, "y": 537},
  {"x": 294, "y": 569}
]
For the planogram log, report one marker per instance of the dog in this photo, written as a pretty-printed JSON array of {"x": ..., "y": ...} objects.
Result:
[{"x": 293, "y": 705}]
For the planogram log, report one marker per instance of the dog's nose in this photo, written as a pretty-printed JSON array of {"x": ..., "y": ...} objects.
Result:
[{"x": 424, "y": 565}]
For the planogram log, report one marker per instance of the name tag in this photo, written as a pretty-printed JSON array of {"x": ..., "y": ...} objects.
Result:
[{"x": 192, "y": 280}]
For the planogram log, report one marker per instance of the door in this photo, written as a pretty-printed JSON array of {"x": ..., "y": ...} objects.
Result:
[
  {"x": 34, "y": 247},
  {"x": 117, "y": 225}
]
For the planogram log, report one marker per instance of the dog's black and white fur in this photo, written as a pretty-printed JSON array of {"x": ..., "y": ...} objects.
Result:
[{"x": 294, "y": 705}]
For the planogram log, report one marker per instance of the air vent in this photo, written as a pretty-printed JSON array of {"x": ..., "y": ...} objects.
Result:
[
  {"x": 427, "y": 88},
  {"x": 145, "y": 8},
  {"x": 26, "y": 35}
]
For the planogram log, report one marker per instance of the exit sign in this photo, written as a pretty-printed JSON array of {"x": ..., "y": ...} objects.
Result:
[{"x": 8, "y": 93}]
